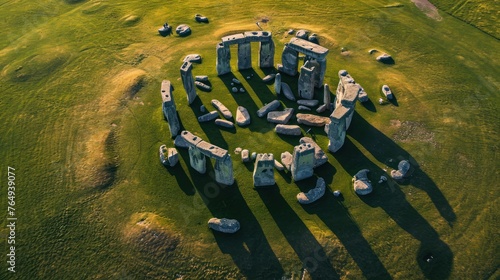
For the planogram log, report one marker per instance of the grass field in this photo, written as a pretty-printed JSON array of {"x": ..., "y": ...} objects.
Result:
[{"x": 82, "y": 122}]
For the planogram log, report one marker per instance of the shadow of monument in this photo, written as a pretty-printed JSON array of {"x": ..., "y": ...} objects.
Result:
[
  {"x": 303, "y": 242},
  {"x": 258, "y": 86},
  {"x": 385, "y": 149},
  {"x": 181, "y": 177},
  {"x": 369, "y": 105},
  {"x": 392, "y": 200}
]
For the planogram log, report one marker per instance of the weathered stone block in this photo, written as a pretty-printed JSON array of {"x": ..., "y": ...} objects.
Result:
[
  {"x": 263, "y": 173},
  {"x": 303, "y": 162}
]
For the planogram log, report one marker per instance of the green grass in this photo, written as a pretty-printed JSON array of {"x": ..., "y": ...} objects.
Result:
[{"x": 82, "y": 123}]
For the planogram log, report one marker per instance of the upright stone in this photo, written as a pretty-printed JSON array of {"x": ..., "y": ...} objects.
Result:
[
  {"x": 337, "y": 128},
  {"x": 266, "y": 53},
  {"x": 290, "y": 60},
  {"x": 263, "y": 172},
  {"x": 320, "y": 157},
  {"x": 277, "y": 83},
  {"x": 327, "y": 97},
  {"x": 188, "y": 81},
  {"x": 223, "y": 62},
  {"x": 197, "y": 160},
  {"x": 306, "y": 81},
  {"x": 169, "y": 110},
  {"x": 303, "y": 162},
  {"x": 244, "y": 56},
  {"x": 224, "y": 170}
]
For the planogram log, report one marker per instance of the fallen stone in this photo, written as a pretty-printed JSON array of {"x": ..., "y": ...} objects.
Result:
[
  {"x": 208, "y": 117},
  {"x": 304, "y": 108},
  {"x": 223, "y": 109},
  {"x": 314, "y": 194},
  {"x": 278, "y": 166},
  {"x": 286, "y": 160},
  {"x": 271, "y": 106},
  {"x": 403, "y": 168},
  {"x": 321, "y": 108},
  {"x": 302, "y": 34},
  {"x": 313, "y": 39},
  {"x": 290, "y": 32},
  {"x": 179, "y": 142},
  {"x": 277, "y": 84},
  {"x": 362, "y": 96},
  {"x": 245, "y": 155},
  {"x": 242, "y": 90},
  {"x": 200, "y": 18},
  {"x": 236, "y": 81},
  {"x": 287, "y": 91},
  {"x": 281, "y": 117},
  {"x": 385, "y": 58},
  {"x": 165, "y": 30},
  {"x": 293, "y": 130},
  {"x": 193, "y": 58},
  {"x": 234, "y": 89},
  {"x": 202, "y": 86},
  {"x": 337, "y": 193},
  {"x": 224, "y": 123},
  {"x": 173, "y": 156},
  {"x": 183, "y": 30},
  {"x": 224, "y": 225},
  {"x": 203, "y": 79},
  {"x": 269, "y": 78},
  {"x": 361, "y": 184},
  {"x": 237, "y": 150},
  {"x": 309, "y": 103},
  {"x": 248, "y": 77},
  {"x": 242, "y": 116},
  {"x": 253, "y": 156},
  {"x": 312, "y": 120},
  {"x": 164, "y": 155},
  {"x": 320, "y": 157}
]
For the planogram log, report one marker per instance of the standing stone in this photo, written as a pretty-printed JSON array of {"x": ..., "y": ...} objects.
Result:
[
  {"x": 327, "y": 97},
  {"x": 173, "y": 156},
  {"x": 242, "y": 116},
  {"x": 224, "y": 170},
  {"x": 244, "y": 56},
  {"x": 168, "y": 107},
  {"x": 303, "y": 162},
  {"x": 266, "y": 53},
  {"x": 286, "y": 160},
  {"x": 197, "y": 160},
  {"x": 188, "y": 81},
  {"x": 290, "y": 60},
  {"x": 287, "y": 91},
  {"x": 223, "y": 63},
  {"x": 245, "y": 155},
  {"x": 337, "y": 128},
  {"x": 277, "y": 83},
  {"x": 320, "y": 157},
  {"x": 306, "y": 81},
  {"x": 263, "y": 173}
]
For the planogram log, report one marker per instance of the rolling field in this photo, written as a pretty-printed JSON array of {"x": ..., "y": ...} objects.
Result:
[{"x": 82, "y": 122}]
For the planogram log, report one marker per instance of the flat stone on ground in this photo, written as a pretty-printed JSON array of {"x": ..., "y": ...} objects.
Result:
[
  {"x": 183, "y": 30},
  {"x": 309, "y": 103},
  {"x": 281, "y": 117},
  {"x": 320, "y": 157},
  {"x": 242, "y": 116},
  {"x": 269, "y": 78},
  {"x": 292, "y": 130},
  {"x": 287, "y": 91},
  {"x": 203, "y": 78},
  {"x": 271, "y": 106},
  {"x": 278, "y": 165},
  {"x": 224, "y": 225},
  {"x": 208, "y": 117},
  {"x": 312, "y": 120},
  {"x": 314, "y": 194},
  {"x": 286, "y": 160},
  {"x": 224, "y": 123},
  {"x": 202, "y": 86},
  {"x": 223, "y": 109}
]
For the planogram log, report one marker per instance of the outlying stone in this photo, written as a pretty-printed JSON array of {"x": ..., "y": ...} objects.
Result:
[
  {"x": 193, "y": 58},
  {"x": 168, "y": 156},
  {"x": 293, "y": 130},
  {"x": 314, "y": 194},
  {"x": 202, "y": 86},
  {"x": 304, "y": 108},
  {"x": 312, "y": 120},
  {"x": 273, "y": 105},
  {"x": 302, "y": 34},
  {"x": 269, "y": 78},
  {"x": 208, "y": 117},
  {"x": 287, "y": 91},
  {"x": 403, "y": 168},
  {"x": 309, "y": 103},
  {"x": 320, "y": 157},
  {"x": 183, "y": 30},
  {"x": 361, "y": 184},
  {"x": 223, "y": 109},
  {"x": 245, "y": 155},
  {"x": 387, "y": 91},
  {"x": 281, "y": 117},
  {"x": 278, "y": 166},
  {"x": 203, "y": 79},
  {"x": 385, "y": 58},
  {"x": 286, "y": 160},
  {"x": 224, "y": 123},
  {"x": 224, "y": 225},
  {"x": 313, "y": 38},
  {"x": 242, "y": 116},
  {"x": 200, "y": 18},
  {"x": 165, "y": 30}
]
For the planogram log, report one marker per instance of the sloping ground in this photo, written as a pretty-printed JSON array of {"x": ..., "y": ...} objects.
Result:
[{"x": 483, "y": 14}]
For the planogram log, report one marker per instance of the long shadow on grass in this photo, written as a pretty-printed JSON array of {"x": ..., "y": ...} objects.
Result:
[
  {"x": 303, "y": 242},
  {"x": 259, "y": 87},
  {"x": 392, "y": 200},
  {"x": 212, "y": 131},
  {"x": 387, "y": 151},
  {"x": 248, "y": 247}
]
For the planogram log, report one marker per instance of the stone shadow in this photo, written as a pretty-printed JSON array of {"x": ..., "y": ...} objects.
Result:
[
  {"x": 391, "y": 199},
  {"x": 258, "y": 86},
  {"x": 369, "y": 105},
  {"x": 180, "y": 175},
  {"x": 303, "y": 242},
  {"x": 387, "y": 151}
]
